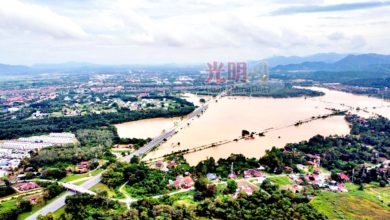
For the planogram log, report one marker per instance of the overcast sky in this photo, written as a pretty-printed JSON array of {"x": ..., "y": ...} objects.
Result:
[{"x": 181, "y": 31}]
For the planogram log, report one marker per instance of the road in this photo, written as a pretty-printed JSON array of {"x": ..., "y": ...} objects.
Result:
[{"x": 167, "y": 134}]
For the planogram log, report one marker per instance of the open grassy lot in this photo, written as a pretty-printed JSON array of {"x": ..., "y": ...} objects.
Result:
[
  {"x": 59, "y": 212},
  {"x": 185, "y": 198},
  {"x": 78, "y": 183},
  {"x": 355, "y": 204},
  {"x": 280, "y": 180},
  {"x": 8, "y": 204},
  {"x": 103, "y": 187}
]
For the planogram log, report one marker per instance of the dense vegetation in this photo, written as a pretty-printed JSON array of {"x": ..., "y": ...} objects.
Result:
[
  {"x": 373, "y": 82},
  {"x": 275, "y": 204},
  {"x": 333, "y": 76},
  {"x": 52, "y": 189},
  {"x": 142, "y": 180},
  {"x": 6, "y": 189},
  {"x": 284, "y": 91},
  {"x": 270, "y": 204},
  {"x": 223, "y": 169}
]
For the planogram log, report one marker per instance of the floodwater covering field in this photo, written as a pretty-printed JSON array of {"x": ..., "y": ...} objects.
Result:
[
  {"x": 225, "y": 119},
  {"x": 145, "y": 128}
]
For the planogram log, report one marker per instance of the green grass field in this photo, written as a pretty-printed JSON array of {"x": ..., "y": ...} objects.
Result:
[
  {"x": 280, "y": 180},
  {"x": 8, "y": 204},
  {"x": 185, "y": 198},
  {"x": 74, "y": 177},
  {"x": 355, "y": 204},
  {"x": 59, "y": 212}
]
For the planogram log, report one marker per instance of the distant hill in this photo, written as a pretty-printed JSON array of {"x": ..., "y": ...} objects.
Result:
[
  {"x": 320, "y": 57},
  {"x": 330, "y": 62},
  {"x": 13, "y": 69},
  {"x": 362, "y": 62}
]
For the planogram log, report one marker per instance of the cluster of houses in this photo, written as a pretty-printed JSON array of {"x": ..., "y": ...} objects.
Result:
[
  {"x": 12, "y": 152},
  {"x": 39, "y": 142},
  {"x": 39, "y": 115},
  {"x": 181, "y": 182},
  {"x": 144, "y": 104},
  {"x": 12, "y": 96},
  {"x": 109, "y": 103},
  {"x": 320, "y": 179}
]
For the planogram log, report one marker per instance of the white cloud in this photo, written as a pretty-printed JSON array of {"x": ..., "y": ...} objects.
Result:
[
  {"x": 336, "y": 36},
  {"x": 15, "y": 15},
  {"x": 122, "y": 31}
]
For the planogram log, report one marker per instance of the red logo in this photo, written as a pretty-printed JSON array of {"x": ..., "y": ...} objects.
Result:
[{"x": 236, "y": 70}]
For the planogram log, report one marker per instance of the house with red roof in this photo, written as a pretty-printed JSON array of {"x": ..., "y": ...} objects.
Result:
[
  {"x": 84, "y": 163},
  {"x": 82, "y": 167},
  {"x": 288, "y": 169},
  {"x": 171, "y": 164},
  {"x": 34, "y": 199},
  {"x": 343, "y": 177},
  {"x": 26, "y": 186},
  {"x": 248, "y": 190},
  {"x": 251, "y": 173},
  {"x": 181, "y": 182},
  {"x": 295, "y": 188},
  {"x": 338, "y": 188},
  {"x": 232, "y": 176},
  {"x": 187, "y": 182}
]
